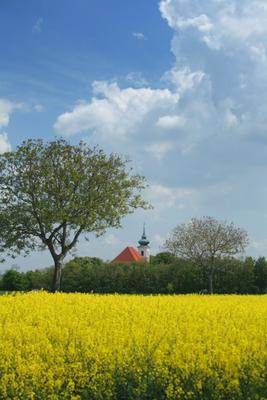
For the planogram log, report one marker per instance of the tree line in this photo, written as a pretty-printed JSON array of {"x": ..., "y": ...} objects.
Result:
[{"x": 166, "y": 274}]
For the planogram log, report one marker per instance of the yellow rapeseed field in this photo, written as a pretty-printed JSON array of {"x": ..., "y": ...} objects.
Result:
[{"x": 79, "y": 346}]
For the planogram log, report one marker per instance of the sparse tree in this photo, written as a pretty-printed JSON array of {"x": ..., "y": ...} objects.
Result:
[
  {"x": 203, "y": 240},
  {"x": 53, "y": 192}
]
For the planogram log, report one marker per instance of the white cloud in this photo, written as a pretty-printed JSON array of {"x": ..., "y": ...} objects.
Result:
[
  {"x": 139, "y": 35},
  {"x": 38, "y": 25},
  {"x": 4, "y": 143},
  {"x": 227, "y": 24},
  {"x": 201, "y": 22},
  {"x": 6, "y": 109},
  {"x": 183, "y": 78},
  {"x": 171, "y": 121},
  {"x": 159, "y": 149},
  {"x": 162, "y": 197},
  {"x": 221, "y": 52},
  {"x": 114, "y": 111}
]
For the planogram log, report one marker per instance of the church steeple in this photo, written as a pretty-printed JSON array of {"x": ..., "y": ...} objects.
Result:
[
  {"x": 143, "y": 247},
  {"x": 143, "y": 241}
]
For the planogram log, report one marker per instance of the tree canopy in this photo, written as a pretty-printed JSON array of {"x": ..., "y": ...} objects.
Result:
[
  {"x": 53, "y": 192},
  {"x": 202, "y": 240}
]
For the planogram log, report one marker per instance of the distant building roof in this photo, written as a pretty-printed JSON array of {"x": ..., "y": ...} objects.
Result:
[{"x": 129, "y": 254}]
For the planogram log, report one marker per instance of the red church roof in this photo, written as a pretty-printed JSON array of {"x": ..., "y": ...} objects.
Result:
[{"x": 129, "y": 254}]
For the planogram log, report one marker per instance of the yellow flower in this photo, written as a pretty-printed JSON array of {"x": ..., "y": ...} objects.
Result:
[{"x": 79, "y": 346}]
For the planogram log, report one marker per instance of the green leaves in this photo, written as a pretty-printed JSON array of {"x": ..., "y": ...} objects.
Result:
[{"x": 52, "y": 192}]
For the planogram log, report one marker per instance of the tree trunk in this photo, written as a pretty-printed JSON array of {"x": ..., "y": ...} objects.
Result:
[
  {"x": 57, "y": 276},
  {"x": 211, "y": 283}
]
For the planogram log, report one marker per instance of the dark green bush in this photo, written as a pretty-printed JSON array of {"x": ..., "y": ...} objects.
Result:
[{"x": 166, "y": 274}]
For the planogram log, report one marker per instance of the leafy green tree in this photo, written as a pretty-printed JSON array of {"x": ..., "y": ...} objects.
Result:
[
  {"x": 184, "y": 277},
  {"x": 246, "y": 277},
  {"x": 78, "y": 274},
  {"x": 261, "y": 275},
  {"x": 165, "y": 257},
  {"x": 204, "y": 240},
  {"x": 227, "y": 275},
  {"x": 53, "y": 192},
  {"x": 39, "y": 279},
  {"x": 13, "y": 280}
]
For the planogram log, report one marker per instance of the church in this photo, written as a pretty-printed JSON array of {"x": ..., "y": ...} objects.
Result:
[{"x": 131, "y": 254}]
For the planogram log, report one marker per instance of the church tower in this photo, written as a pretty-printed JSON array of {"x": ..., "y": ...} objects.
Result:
[{"x": 143, "y": 248}]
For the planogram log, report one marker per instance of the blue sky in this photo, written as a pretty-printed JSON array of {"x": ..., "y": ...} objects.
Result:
[{"x": 178, "y": 86}]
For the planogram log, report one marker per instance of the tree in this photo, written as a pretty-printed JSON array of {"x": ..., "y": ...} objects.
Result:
[
  {"x": 53, "y": 192},
  {"x": 13, "y": 280},
  {"x": 246, "y": 277},
  {"x": 261, "y": 275},
  {"x": 204, "y": 240},
  {"x": 163, "y": 258}
]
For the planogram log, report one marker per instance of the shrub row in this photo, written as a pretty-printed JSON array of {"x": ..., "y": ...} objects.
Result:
[{"x": 164, "y": 275}]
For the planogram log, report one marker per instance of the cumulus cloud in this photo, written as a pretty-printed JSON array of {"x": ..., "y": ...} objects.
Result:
[
  {"x": 4, "y": 143},
  {"x": 146, "y": 116},
  {"x": 114, "y": 111},
  {"x": 216, "y": 85},
  {"x": 200, "y": 22},
  {"x": 220, "y": 49},
  {"x": 227, "y": 24},
  {"x": 6, "y": 109},
  {"x": 183, "y": 78},
  {"x": 171, "y": 121}
]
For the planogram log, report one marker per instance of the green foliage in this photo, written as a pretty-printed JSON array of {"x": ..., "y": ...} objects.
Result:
[
  {"x": 85, "y": 275},
  {"x": 261, "y": 275},
  {"x": 13, "y": 280},
  {"x": 164, "y": 257},
  {"x": 39, "y": 279},
  {"x": 247, "y": 277},
  {"x": 52, "y": 192}
]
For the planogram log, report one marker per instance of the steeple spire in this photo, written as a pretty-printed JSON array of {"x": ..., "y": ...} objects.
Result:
[
  {"x": 143, "y": 241},
  {"x": 143, "y": 247}
]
